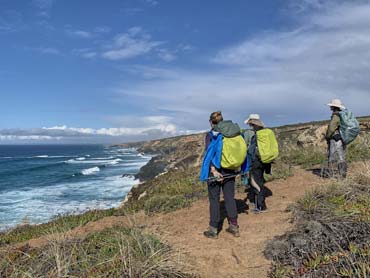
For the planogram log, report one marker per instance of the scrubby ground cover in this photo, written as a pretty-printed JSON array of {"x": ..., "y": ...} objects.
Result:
[
  {"x": 312, "y": 155},
  {"x": 168, "y": 192},
  {"x": 61, "y": 222},
  {"x": 114, "y": 252},
  {"x": 332, "y": 232}
]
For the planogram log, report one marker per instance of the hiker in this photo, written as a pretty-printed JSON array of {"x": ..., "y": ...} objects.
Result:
[
  {"x": 260, "y": 159},
  {"x": 220, "y": 172},
  {"x": 343, "y": 128}
]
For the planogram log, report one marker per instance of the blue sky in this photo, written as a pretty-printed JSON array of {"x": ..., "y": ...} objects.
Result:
[{"x": 79, "y": 71}]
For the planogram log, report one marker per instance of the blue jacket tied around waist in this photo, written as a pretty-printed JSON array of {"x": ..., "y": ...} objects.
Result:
[{"x": 213, "y": 157}]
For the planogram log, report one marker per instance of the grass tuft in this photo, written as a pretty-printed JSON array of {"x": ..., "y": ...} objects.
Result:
[
  {"x": 115, "y": 252},
  {"x": 331, "y": 236}
]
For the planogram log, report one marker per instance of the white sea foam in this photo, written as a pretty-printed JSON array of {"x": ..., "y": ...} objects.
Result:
[
  {"x": 135, "y": 164},
  {"x": 48, "y": 156},
  {"x": 40, "y": 204},
  {"x": 102, "y": 158},
  {"x": 90, "y": 171},
  {"x": 74, "y": 161},
  {"x": 80, "y": 158}
]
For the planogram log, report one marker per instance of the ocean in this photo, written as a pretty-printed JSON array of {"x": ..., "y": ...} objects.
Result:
[{"x": 38, "y": 183}]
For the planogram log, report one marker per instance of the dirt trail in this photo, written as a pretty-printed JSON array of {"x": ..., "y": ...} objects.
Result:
[{"x": 227, "y": 256}]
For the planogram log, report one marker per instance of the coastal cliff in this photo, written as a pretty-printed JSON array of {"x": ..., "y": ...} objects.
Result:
[
  {"x": 183, "y": 154},
  {"x": 159, "y": 226}
]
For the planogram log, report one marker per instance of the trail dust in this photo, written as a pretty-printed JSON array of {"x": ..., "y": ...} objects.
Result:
[{"x": 226, "y": 256}]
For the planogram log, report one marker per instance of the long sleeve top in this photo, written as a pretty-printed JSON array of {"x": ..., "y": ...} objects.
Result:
[{"x": 333, "y": 126}]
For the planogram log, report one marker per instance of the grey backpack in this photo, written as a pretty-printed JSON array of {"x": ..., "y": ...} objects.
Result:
[{"x": 349, "y": 126}]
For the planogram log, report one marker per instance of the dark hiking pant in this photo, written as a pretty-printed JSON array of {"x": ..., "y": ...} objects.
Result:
[
  {"x": 228, "y": 189},
  {"x": 257, "y": 170}
]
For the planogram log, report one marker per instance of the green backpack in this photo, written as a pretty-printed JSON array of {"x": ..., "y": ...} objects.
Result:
[
  {"x": 234, "y": 152},
  {"x": 268, "y": 147}
]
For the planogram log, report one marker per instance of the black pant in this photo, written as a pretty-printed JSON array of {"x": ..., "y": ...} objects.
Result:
[
  {"x": 257, "y": 171},
  {"x": 228, "y": 189}
]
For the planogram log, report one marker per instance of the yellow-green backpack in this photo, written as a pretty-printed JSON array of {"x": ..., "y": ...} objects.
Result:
[
  {"x": 234, "y": 152},
  {"x": 268, "y": 147}
]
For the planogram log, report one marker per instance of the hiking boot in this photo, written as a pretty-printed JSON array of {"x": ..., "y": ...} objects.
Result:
[
  {"x": 211, "y": 232},
  {"x": 259, "y": 210},
  {"x": 234, "y": 230}
]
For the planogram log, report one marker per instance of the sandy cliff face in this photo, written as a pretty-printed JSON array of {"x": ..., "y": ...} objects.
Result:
[
  {"x": 184, "y": 152},
  {"x": 170, "y": 153}
]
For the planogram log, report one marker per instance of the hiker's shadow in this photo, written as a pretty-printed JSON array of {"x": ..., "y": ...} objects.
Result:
[
  {"x": 251, "y": 193},
  {"x": 241, "y": 207},
  {"x": 325, "y": 172}
]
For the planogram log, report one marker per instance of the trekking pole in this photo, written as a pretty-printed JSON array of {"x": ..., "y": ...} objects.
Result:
[{"x": 223, "y": 177}]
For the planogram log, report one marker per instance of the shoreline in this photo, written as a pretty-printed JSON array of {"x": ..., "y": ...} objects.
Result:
[{"x": 128, "y": 182}]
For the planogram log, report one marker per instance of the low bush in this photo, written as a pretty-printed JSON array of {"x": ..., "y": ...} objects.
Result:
[
  {"x": 331, "y": 237},
  {"x": 115, "y": 252}
]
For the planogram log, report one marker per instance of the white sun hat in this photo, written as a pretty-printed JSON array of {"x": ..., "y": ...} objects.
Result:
[
  {"x": 337, "y": 103},
  {"x": 254, "y": 119}
]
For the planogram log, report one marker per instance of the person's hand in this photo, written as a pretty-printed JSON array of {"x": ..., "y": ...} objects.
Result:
[{"x": 217, "y": 174}]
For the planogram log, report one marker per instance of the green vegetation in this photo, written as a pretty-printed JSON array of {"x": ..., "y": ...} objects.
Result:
[
  {"x": 165, "y": 203},
  {"x": 115, "y": 252},
  {"x": 67, "y": 222},
  {"x": 310, "y": 156},
  {"x": 359, "y": 150},
  {"x": 305, "y": 157},
  {"x": 331, "y": 236},
  {"x": 168, "y": 192}
]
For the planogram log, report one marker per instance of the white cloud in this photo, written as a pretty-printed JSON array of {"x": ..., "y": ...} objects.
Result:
[
  {"x": 49, "y": 50},
  {"x": 80, "y": 34},
  {"x": 11, "y": 21},
  {"x": 28, "y": 138},
  {"x": 129, "y": 128},
  {"x": 166, "y": 55},
  {"x": 287, "y": 76},
  {"x": 89, "y": 55},
  {"x": 152, "y": 2},
  {"x": 135, "y": 42},
  {"x": 102, "y": 29},
  {"x": 44, "y": 7},
  {"x": 141, "y": 126}
]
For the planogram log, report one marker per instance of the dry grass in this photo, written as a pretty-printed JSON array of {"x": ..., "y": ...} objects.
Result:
[
  {"x": 332, "y": 232},
  {"x": 115, "y": 252}
]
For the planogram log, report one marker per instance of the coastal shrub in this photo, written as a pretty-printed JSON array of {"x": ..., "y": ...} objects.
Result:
[
  {"x": 60, "y": 223},
  {"x": 306, "y": 157},
  {"x": 331, "y": 237},
  {"x": 168, "y": 192},
  {"x": 114, "y": 252},
  {"x": 359, "y": 150},
  {"x": 165, "y": 203}
]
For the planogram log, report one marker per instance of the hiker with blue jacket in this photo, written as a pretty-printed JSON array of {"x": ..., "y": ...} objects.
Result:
[
  {"x": 218, "y": 175},
  {"x": 336, "y": 146},
  {"x": 257, "y": 168}
]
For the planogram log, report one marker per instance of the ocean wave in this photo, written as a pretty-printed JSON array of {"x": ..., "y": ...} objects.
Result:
[
  {"x": 40, "y": 204},
  {"x": 90, "y": 171},
  {"x": 80, "y": 158},
  {"x": 102, "y": 158},
  {"x": 107, "y": 161},
  {"x": 31, "y": 169},
  {"x": 51, "y": 156}
]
